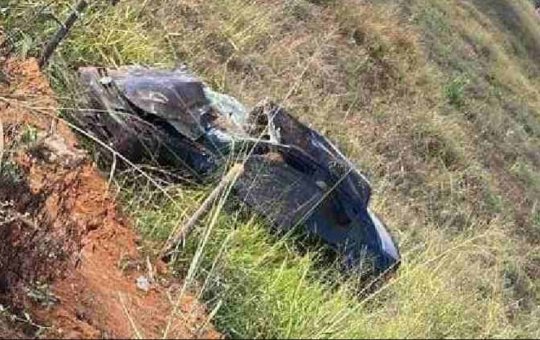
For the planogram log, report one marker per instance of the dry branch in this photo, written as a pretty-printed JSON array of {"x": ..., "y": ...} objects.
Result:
[
  {"x": 181, "y": 235},
  {"x": 62, "y": 33}
]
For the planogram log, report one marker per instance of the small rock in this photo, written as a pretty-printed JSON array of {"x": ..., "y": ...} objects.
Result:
[{"x": 143, "y": 283}]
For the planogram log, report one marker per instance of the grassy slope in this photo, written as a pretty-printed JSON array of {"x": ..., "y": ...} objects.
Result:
[{"x": 436, "y": 100}]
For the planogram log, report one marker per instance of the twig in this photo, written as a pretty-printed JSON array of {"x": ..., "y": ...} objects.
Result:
[
  {"x": 62, "y": 33},
  {"x": 138, "y": 334},
  {"x": 113, "y": 170},
  {"x": 181, "y": 235}
]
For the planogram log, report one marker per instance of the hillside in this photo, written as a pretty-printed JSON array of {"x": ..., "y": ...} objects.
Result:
[{"x": 436, "y": 101}]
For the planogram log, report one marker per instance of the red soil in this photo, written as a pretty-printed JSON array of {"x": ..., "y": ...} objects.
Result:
[{"x": 68, "y": 258}]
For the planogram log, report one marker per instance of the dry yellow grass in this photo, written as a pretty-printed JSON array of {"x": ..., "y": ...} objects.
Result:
[{"x": 438, "y": 101}]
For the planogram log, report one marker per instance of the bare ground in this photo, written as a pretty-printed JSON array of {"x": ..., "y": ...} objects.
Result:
[{"x": 68, "y": 259}]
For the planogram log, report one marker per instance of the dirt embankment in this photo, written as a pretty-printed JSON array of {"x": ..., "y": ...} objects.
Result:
[{"x": 67, "y": 257}]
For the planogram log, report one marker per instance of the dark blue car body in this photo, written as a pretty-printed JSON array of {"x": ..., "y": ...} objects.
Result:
[{"x": 293, "y": 176}]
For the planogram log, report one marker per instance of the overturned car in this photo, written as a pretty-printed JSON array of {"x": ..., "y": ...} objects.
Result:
[{"x": 293, "y": 176}]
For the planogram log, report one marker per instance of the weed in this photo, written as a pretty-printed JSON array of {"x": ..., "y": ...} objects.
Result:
[
  {"x": 455, "y": 91},
  {"x": 437, "y": 100},
  {"x": 42, "y": 294}
]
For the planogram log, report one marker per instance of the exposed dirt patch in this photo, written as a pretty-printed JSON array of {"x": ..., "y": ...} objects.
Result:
[{"x": 67, "y": 257}]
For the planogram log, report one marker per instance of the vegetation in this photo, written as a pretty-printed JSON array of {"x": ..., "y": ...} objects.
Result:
[{"x": 437, "y": 101}]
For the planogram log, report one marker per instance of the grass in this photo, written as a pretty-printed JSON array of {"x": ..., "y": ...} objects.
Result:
[
  {"x": 437, "y": 101},
  {"x": 265, "y": 289}
]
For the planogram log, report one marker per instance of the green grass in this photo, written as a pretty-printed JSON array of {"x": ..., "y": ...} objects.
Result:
[
  {"x": 263, "y": 288},
  {"x": 437, "y": 101}
]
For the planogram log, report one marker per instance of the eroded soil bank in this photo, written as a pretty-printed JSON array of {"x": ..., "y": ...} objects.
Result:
[{"x": 68, "y": 258}]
